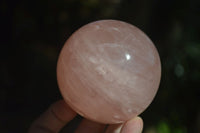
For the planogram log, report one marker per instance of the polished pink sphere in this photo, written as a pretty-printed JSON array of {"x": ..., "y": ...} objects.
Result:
[{"x": 108, "y": 71}]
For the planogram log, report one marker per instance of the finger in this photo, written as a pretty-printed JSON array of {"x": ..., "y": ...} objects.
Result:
[
  {"x": 54, "y": 119},
  {"x": 88, "y": 126},
  {"x": 114, "y": 128},
  {"x": 134, "y": 125}
]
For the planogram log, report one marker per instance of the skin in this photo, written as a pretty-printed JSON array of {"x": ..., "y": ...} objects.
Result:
[{"x": 59, "y": 114}]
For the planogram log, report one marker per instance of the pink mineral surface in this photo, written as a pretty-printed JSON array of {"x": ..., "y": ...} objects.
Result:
[{"x": 108, "y": 71}]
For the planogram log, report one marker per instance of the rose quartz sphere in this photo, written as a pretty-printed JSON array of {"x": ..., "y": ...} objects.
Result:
[{"x": 108, "y": 71}]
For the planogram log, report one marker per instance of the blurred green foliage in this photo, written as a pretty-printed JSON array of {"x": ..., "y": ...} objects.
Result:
[{"x": 34, "y": 31}]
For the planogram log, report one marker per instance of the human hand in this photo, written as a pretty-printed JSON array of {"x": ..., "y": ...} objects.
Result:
[{"x": 59, "y": 114}]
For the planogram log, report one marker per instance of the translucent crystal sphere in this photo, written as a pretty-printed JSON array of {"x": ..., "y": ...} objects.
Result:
[{"x": 108, "y": 71}]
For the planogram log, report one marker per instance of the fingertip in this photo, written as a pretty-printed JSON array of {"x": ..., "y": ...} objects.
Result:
[
  {"x": 138, "y": 120},
  {"x": 115, "y": 128},
  {"x": 134, "y": 125},
  {"x": 62, "y": 111},
  {"x": 54, "y": 119}
]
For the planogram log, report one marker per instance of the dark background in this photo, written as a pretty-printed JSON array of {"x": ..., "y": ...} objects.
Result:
[{"x": 34, "y": 31}]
